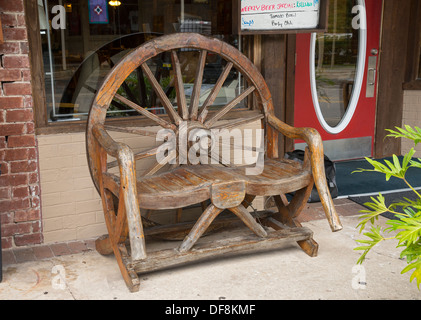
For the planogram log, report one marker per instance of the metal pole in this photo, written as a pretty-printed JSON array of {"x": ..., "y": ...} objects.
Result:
[
  {"x": 63, "y": 43},
  {"x": 335, "y": 19},
  {"x": 50, "y": 54},
  {"x": 182, "y": 13}
]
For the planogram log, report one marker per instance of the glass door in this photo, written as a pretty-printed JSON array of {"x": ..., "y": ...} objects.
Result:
[{"x": 336, "y": 79}]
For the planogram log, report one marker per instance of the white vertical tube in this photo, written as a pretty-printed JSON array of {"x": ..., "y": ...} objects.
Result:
[
  {"x": 182, "y": 12},
  {"x": 63, "y": 43},
  {"x": 50, "y": 55}
]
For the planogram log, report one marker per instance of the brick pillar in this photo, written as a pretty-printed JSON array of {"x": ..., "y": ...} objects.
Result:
[{"x": 20, "y": 209}]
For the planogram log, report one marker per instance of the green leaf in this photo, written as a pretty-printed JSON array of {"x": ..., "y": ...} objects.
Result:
[
  {"x": 408, "y": 132},
  {"x": 378, "y": 206},
  {"x": 407, "y": 158},
  {"x": 411, "y": 212},
  {"x": 411, "y": 252},
  {"x": 411, "y": 230},
  {"x": 396, "y": 163},
  {"x": 375, "y": 237},
  {"x": 416, "y": 164},
  {"x": 408, "y": 203},
  {"x": 417, "y": 272},
  {"x": 391, "y": 170}
]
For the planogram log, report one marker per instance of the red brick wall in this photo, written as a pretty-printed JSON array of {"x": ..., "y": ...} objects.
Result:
[{"x": 20, "y": 209}]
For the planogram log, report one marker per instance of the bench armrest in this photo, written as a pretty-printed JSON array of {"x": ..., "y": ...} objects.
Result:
[
  {"x": 127, "y": 167},
  {"x": 315, "y": 145},
  {"x": 104, "y": 139}
]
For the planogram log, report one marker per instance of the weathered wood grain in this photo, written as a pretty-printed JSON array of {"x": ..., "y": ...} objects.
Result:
[
  {"x": 161, "y": 94},
  {"x": 215, "y": 90},
  {"x": 179, "y": 87},
  {"x": 173, "y": 257},
  {"x": 200, "y": 227},
  {"x": 209, "y": 123},
  {"x": 315, "y": 145},
  {"x": 195, "y": 97}
]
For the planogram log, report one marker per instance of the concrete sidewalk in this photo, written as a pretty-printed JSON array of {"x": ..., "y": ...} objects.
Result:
[{"x": 286, "y": 273}]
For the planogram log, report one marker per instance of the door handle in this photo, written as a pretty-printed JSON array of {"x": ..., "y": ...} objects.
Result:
[{"x": 371, "y": 76}]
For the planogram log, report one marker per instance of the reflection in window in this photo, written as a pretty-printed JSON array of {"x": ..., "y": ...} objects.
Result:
[
  {"x": 335, "y": 62},
  {"x": 97, "y": 35},
  {"x": 137, "y": 87}
]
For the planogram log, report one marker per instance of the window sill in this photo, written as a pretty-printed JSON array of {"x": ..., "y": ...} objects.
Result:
[
  {"x": 80, "y": 126},
  {"x": 139, "y": 121}
]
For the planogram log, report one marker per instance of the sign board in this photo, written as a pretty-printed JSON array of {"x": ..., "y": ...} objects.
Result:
[{"x": 281, "y": 16}]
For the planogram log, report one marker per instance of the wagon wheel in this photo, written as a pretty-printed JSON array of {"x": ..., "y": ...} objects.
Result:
[{"x": 184, "y": 119}]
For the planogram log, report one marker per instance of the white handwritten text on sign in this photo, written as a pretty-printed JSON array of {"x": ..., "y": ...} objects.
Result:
[{"x": 279, "y": 14}]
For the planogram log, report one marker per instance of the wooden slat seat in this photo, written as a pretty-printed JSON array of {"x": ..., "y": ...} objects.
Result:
[{"x": 188, "y": 185}]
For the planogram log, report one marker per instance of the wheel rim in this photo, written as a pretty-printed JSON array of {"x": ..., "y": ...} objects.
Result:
[{"x": 194, "y": 116}]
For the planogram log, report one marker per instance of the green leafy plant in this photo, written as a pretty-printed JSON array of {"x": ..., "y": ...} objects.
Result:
[{"x": 407, "y": 227}]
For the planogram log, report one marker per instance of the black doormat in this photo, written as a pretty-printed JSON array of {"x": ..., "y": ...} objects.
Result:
[
  {"x": 390, "y": 198},
  {"x": 353, "y": 184}
]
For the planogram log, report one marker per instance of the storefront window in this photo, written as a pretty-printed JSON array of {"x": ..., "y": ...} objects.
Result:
[{"x": 80, "y": 49}]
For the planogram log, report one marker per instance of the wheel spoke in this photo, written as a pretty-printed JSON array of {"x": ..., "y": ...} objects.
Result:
[
  {"x": 243, "y": 147},
  {"x": 195, "y": 97},
  {"x": 179, "y": 87},
  {"x": 156, "y": 167},
  {"x": 137, "y": 156},
  {"x": 143, "y": 96},
  {"x": 228, "y": 107},
  {"x": 145, "y": 112},
  {"x": 146, "y": 154},
  {"x": 221, "y": 160},
  {"x": 133, "y": 130},
  {"x": 238, "y": 122},
  {"x": 214, "y": 93},
  {"x": 118, "y": 105},
  {"x": 129, "y": 92},
  {"x": 161, "y": 94}
]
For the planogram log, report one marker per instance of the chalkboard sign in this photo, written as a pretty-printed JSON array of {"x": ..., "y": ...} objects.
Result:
[{"x": 280, "y": 16}]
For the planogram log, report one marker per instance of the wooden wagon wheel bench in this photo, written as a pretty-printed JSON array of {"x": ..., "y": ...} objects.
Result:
[{"x": 178, "y": 182}]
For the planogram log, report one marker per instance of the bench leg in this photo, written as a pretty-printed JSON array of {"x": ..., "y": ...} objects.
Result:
[
  {"x": 248, "y": 219},
  {"x": 209, "y": 215},
  {"x": 287, "y": 215},
  {"x": 114, "y": 242},
  {"x": 126, "y": 222},
  {"x": 104, "y": 246},
  {"x": 200, "y": 227}
]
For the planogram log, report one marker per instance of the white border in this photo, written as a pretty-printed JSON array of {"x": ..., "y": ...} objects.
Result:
[{"x": 359, "y": 77}]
